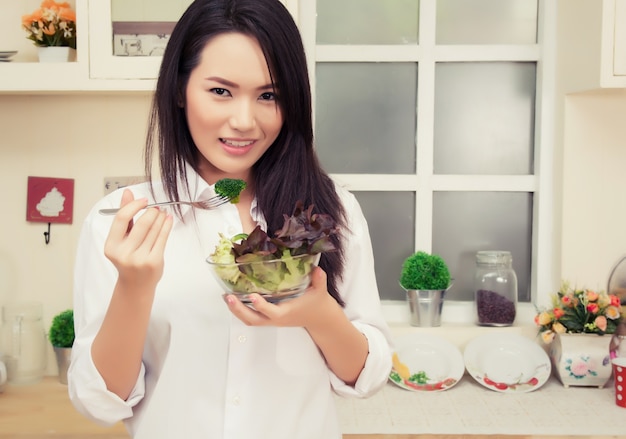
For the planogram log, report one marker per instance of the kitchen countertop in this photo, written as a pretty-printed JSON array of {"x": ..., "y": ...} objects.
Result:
[
  {"x": 43, "y": 410},
  {"x": 470, "y": 408}
]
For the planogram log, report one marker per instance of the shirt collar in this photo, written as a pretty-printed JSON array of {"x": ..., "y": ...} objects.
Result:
[{"x": 199, "y": 189}]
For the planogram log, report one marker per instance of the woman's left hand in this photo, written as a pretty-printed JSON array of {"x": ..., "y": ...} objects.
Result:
[
  {"x": 342, "y": 345},
  {"x": 307, "y": 310}
]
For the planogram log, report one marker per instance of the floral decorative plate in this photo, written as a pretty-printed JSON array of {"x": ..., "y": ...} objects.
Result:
[
  {"x": 508, "y": 363},
  {"x": 426, "y": 363}
]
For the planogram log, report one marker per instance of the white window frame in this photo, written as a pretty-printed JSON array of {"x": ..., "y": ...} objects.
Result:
[{"x": 424, "y": 183}]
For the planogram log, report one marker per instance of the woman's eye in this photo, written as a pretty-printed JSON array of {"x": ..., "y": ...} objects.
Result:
[
  {"x": 220, "y": 91},
  {"x": 268, "y": 96}
]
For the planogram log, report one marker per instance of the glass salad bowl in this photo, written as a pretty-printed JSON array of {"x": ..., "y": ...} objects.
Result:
[{"x": 275, "y": 279}]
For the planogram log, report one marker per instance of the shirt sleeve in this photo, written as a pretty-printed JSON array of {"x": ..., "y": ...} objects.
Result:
[
  {"x": 363, "y": 308},
  {"x": 94, "y": 280}
]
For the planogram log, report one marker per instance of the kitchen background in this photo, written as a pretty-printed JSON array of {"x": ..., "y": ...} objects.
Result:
[{"x": 90, "y": 136}]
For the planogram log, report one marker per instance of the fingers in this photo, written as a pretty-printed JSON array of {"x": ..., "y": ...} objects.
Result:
[
  {"x": 127, "y": 197},
  {"x": 249, "y": 316},
  {"x": 298, "y": 311},
  {"x": 146, "y": 230},
  {"x": 141, "y": 241},
  {"x": 129, "y": 207},
  {"x": 319, "y": 280}
]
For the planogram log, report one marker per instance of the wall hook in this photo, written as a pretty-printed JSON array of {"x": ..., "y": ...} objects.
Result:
[{"x": 46, "y": 235}]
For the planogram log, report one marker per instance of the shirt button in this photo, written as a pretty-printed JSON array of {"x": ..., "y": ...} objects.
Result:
[
  {"x": 242, "y": 339},
  {"x": 236, "y": 400}
]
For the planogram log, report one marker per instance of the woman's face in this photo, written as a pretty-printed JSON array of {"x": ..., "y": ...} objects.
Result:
[{"x": 231, "y": 107}]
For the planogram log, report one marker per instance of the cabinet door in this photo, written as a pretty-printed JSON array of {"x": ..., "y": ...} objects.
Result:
[
  {"x": 105, "y": 65},
  {"x": 619, "y": 39}
]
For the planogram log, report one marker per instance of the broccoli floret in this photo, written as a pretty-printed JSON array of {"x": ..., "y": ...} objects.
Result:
[{"x": 230, "y": 188}]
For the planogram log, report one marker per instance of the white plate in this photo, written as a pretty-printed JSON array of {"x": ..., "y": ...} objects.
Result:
[
  {"x": 432, "y": 363},
  {"x": 507, "y": 363}
]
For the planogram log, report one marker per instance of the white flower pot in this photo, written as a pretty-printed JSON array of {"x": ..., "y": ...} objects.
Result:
[
  {"x": 56, "y": 54},
  {"x": 581, "y": 359}
]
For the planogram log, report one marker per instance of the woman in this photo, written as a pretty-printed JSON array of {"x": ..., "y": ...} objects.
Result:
[{"x": 156, "y": 345}]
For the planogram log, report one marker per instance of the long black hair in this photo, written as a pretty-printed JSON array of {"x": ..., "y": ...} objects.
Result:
[{"x": 289, "y": 170}]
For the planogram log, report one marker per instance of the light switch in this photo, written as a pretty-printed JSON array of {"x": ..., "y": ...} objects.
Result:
[{"x": 113, "y": 183}]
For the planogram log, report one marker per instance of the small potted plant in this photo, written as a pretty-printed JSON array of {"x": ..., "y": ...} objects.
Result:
[
  {"x": 577, "y": 329},
  {"x": 425, "y": 278},
  {"x": 52, "y": 28},
  {"x": 61, "y": 336}
]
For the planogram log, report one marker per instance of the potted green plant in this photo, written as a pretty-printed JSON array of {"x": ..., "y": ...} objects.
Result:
[
  {"x": 425, "y": 278},
  {"x": 61, "y": 336}
]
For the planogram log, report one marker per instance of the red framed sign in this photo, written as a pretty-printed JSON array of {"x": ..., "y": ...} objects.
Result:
[{"x": 50, "y": 200}]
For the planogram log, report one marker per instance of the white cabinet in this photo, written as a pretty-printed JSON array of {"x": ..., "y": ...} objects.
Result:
[
  {"x": 613, "y": 72},
  {"x": 95, "y": 69},
  {"x": 591, "y": 45}
]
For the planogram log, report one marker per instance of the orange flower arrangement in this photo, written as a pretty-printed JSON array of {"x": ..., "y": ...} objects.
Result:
[
  {"x": 577, "y": 311},
  {"x": 53, "y": 24}
]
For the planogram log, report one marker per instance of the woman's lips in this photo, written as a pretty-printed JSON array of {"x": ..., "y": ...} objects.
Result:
[{"x": 237, "y": 147}]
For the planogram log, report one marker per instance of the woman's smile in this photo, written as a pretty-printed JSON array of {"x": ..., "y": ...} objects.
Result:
[{"x": 237, "y": 147}]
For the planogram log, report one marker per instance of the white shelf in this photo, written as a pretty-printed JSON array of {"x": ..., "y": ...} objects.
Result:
[
  {"x": 96, "y": 69},
  {"x": 596, "y": 46}
]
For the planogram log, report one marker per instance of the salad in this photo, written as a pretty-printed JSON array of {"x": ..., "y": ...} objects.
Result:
[{"x": 268, "y": 265}]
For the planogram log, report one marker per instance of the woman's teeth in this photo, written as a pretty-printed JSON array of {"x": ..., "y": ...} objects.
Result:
[{"x": 236, "y": 143}]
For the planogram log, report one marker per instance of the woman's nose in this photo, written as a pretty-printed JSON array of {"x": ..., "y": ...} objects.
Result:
[{"x": 242, "y": 117}]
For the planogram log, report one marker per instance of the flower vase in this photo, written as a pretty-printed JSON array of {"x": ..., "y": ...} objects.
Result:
[
  {"x": 581, "y": 359},
  {"x": 56, "y": 54}
]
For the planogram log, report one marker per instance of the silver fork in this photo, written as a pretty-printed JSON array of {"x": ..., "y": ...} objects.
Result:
[{"x": 211, "y": 203}]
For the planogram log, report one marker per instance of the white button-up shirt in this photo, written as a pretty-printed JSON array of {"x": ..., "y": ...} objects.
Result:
[{"x": 205, "y": 374}]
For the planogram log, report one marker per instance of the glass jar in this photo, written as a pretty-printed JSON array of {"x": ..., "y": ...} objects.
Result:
[
  {"x": 495, "y": 288},
  {"x": 24, "y": 342}
]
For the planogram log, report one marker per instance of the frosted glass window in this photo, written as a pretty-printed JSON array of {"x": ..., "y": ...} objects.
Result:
[
  {"x": 391, "y": 220},
  {"x": 365, "y": 117},
  {"x": 484, "y": 118},
  {"x": 489, "y": 221},
  {"x": 486, "y": 21},
  {"x": 367, "y": 21}
]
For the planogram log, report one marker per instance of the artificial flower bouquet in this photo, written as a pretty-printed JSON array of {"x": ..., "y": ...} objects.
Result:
[
  {"x": 53, "y": 24},
  {"x": 579, "y": 311}
]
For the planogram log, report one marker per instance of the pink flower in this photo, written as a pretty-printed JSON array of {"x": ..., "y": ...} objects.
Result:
[
  {"x": 600, "y": 322},
  {"x": 558, "y": 313},
  {"x": 592, "y": 296},
  {"x": 615, "y": 301},
  {"x": 593, "y": 308},
  {"x": 580, "y": 368}
]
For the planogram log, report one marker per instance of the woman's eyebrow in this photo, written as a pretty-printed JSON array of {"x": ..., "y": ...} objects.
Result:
[{"x": 228, "y": 83}]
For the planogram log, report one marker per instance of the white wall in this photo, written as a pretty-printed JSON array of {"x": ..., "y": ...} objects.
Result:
[
  {"x": 594, "y": 186},
  {"x": 82, "y": 137}
]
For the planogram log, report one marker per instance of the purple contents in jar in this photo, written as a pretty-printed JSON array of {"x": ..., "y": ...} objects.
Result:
[{"x": 494, "y": 309}]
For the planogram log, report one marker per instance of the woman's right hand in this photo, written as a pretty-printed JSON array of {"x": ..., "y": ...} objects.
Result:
[{"x": 136, "y": 247}]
